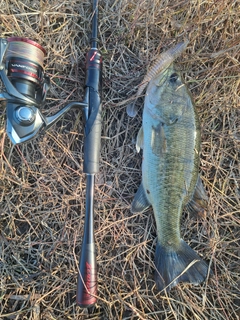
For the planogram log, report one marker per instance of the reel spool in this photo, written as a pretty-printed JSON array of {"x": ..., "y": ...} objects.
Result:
[{"x": 24, "y": 65}]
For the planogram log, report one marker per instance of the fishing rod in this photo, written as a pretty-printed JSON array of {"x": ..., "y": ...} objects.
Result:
[
  {"x": 87, "y": 276},
  {"x": 26, "y": 86}
]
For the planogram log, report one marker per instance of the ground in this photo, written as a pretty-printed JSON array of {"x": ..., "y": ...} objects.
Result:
[{"x": 43, "y": 185}]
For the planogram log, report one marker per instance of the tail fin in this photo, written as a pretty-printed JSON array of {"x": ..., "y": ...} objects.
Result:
[{"x": 182, "y": 265}]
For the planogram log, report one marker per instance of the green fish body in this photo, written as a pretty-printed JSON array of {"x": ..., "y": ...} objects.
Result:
[{"x": 170, "y": 139}]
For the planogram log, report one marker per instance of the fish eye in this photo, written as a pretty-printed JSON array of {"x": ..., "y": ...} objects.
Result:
[{"x": 173, "y": 77}]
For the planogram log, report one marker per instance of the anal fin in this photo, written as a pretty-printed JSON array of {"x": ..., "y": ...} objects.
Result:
[{"x": 140, "y": 202}]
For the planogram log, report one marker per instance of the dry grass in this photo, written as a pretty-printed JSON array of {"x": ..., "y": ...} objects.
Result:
[{"x": 43, "y": 187}]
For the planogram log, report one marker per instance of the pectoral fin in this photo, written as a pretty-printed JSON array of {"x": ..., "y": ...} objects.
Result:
[
  {"x": 139, "y": 143},
  {"x": 158, "y": 140},
  {"x": 198, "y": 203},
  {"x": 140, "y": 201}
]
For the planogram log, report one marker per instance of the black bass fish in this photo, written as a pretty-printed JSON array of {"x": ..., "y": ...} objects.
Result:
[{"x": 170, "y": 139}]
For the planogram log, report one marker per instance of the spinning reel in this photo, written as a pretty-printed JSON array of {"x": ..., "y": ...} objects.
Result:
[{"x": 26, "y": 87}]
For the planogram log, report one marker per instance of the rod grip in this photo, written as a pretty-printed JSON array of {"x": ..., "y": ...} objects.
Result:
[
  {"x": 87, "y": 277},
  {"x": 93, "y": 126}
]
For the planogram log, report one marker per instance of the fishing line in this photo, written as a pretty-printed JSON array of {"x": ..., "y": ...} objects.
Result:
[{"x": 25, "y": 49}]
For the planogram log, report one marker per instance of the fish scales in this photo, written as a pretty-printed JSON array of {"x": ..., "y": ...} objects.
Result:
[
  {"x": 177, "y": 170},
  {"x": 170, "y": 138}
]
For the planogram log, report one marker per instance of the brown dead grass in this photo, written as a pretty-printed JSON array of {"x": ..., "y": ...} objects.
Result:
[{"x": 43, "y": 187}]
